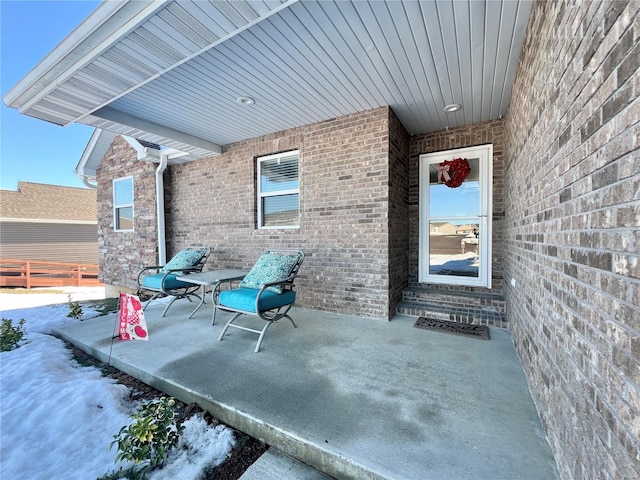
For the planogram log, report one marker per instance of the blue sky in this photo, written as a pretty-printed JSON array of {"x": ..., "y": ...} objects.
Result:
[{"x": 32, "y": 150}]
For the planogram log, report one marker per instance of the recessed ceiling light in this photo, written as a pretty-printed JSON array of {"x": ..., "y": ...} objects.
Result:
[
  {"x": 454, "y": 107},
  {"x": 245, "y": 100}
]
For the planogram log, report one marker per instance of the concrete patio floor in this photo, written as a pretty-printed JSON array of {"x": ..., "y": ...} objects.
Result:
[{"x": 352, "y": 397}]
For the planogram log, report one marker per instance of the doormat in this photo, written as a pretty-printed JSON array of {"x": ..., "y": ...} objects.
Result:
[{"x": 453, "y": 328}]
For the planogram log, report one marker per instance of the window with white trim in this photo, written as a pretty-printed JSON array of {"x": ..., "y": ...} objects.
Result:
[
  {"x": 123, "y": 204},
  {"x": 278, "y": 191}
]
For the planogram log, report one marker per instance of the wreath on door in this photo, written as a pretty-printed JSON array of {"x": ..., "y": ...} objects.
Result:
[{"x": 453, "y": 172}]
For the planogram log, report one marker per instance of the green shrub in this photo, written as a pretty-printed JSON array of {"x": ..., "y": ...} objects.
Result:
[
  {"x": 125, "y": 473},
  {"x": 122, "y": 473},
  {"x": 75, "y": 310},
  {"x": 11, "y": 335},
  {"x": 150, "y": 436}
]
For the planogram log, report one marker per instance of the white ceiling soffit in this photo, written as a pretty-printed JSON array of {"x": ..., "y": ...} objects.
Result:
[
  {"x": 174, "y": 77},
  {"x": 97, "y": 146}
]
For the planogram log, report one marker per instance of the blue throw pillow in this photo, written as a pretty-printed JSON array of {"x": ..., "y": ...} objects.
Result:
[
  {"x": 184, "y": 259},
  {"x": 269, "y": 268}
]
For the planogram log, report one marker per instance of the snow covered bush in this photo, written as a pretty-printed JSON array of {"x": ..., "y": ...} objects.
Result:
[
  {"x": 150, "y": 436},
  {"x": 11, "y": 335}
]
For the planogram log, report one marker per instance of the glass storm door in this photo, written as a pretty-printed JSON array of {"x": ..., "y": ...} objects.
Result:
[{"x": 455, "y": 216}]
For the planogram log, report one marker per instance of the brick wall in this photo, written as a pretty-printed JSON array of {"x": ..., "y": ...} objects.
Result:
[
  {"x": 572, "y": 238},
  {"x": 459, "y": 137},
  {"x": 123, "y": 254},
  {"x": 345, "y": 210},
  {"x": 398, "y": 211}
]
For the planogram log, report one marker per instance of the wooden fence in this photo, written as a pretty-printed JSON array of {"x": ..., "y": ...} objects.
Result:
[{"x": 32, "y": 273}]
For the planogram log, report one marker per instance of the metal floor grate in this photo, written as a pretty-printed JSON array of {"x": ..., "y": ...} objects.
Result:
[{"x": 453, "y": 328}]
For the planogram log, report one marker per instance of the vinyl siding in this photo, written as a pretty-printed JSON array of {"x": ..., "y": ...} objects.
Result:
[{"x": 49, "y": 241}]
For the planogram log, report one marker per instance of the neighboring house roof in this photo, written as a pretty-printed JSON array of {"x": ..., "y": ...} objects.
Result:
[
  {"x": 175, "y": 73},
  {"x": 440, "y": 224},
  {"x": 38, "y": 202}
]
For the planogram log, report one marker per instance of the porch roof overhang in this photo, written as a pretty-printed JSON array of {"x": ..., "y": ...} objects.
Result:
[{"x": 172, "y": 73}]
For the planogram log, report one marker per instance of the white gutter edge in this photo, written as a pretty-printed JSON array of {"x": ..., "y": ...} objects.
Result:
[{"x": 85, "y": 180}]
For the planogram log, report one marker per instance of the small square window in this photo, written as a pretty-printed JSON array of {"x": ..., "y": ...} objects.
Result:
[
  {"x": 278, "y": 191},
  {"x": 123, "y": 204}
]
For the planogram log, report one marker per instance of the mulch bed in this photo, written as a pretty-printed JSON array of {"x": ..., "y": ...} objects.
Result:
[{"x": 243, "y": 455}]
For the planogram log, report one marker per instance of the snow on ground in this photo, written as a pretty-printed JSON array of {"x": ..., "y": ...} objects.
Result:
[
  {"x": 466, "y": 262},
  {"x": 58, "y": 419}
]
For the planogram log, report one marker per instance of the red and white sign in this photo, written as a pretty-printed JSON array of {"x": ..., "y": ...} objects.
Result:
[{"x": 132, "y": 325}]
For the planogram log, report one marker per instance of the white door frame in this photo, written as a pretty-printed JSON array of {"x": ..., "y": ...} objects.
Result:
[{"x": 485, "y": 155}]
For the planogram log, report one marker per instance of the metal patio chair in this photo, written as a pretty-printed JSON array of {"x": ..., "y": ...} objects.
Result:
[
  {"x": 266, "y": 292},
  {"x": 161, "y": 280}
]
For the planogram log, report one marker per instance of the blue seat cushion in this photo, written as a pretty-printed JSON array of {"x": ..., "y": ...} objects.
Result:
[
  {"x": 245, "y": 299},
  {"x": 154, "y": 282}
]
